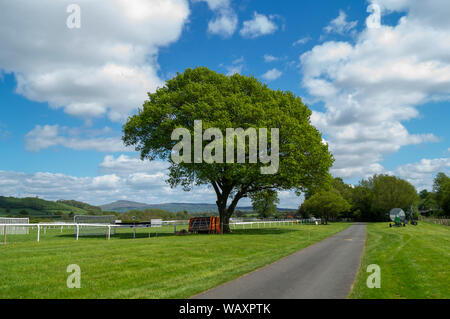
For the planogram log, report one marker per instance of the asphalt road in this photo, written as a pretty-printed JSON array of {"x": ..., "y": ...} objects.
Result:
[{"x": 325, "y": 270}]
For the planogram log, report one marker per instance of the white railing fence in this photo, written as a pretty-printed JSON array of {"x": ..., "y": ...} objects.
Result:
[{"x": 10, "y": 228}]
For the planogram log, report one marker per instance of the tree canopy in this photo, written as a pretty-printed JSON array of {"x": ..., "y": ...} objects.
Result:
[
  {"x": 265, "y": 202},
  {"x": 441, "y": 188},
  {"x": 326, "y": 205},
  {"x": 373, "y": 198},
  {"x": 222, "y": 102}
]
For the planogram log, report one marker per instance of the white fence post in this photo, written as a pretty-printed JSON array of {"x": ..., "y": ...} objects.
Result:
[
  {"x": 39, "y": 232},
  {"x": 78, "y": 230}
]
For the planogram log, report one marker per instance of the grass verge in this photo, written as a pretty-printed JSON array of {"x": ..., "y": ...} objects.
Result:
[
  {"x": 414, "y": 262},
  {"x": 166, "y": 266}
]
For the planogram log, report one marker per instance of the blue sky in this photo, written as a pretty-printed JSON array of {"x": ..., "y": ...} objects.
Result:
[{"x": 379, "y": 91}]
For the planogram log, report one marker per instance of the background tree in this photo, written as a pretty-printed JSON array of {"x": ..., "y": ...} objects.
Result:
[
  {"x": 326, "y": 205},
  {"x": 230, "y": 102},
  {"x": 441, "y": 188},
  {"x": 427, "y": 204},
  {"x": 239, "y": 213},
  {"x": 389, "y": 192},
  {"x": 362, "y": 203},
  {"x": 265, "y": 203}
]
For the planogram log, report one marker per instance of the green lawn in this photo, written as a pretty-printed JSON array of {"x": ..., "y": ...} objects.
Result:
[
  {"x": 164, "y": 267},
  {"x": 414, "y": 262}
]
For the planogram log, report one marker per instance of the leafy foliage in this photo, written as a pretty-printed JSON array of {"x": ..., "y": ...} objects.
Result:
[
  {"x": 265, "y": 203},
  {"x": 441, "y": 190},
  {"x": 230, "y": 102},
  {"x": 372, "y": 199},
  {"x": 327, "y": 205},
  {"x": 390, "y": 192}
]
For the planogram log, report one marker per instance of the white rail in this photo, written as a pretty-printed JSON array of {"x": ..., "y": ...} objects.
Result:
[{"x": 44, "y": 225}]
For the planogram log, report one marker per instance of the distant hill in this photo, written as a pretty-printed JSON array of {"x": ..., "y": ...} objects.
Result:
[
  {"x": 81, "y": 205},
  {"x": 123, "y": 206},
  {"x": 36, "y": 207},
  {"x": 126, "y": 206}
]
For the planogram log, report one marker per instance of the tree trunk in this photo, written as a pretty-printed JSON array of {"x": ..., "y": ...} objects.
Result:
[
  {"x": 225, "y": 223},
  {"x": 223, "y": 213}
]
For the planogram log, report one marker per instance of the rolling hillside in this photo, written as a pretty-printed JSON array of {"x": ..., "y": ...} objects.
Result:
[{"x": 36, "y": 207}]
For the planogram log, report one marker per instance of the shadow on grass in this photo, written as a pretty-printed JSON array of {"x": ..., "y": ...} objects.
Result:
[
  {"x": 119, "y": 236},
  {"x": 262, "y": 231},
  {"x": 267, "y": 231}
]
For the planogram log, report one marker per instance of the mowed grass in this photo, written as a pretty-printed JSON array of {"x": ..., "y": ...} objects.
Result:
[
  {"x": 414, "y": 262},
  {"x": 166, "y": 266}
]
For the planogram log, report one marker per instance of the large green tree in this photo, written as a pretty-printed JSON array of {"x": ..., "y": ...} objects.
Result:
[
  {"x": 230, "y": 102},
  {"x": 441, "y": 188},
  {"x": 427, "y": 204},
  {"x": 389, "y": 192},
  {"x": 265, "y": 202},
  {"x": 326, "y": 205}
]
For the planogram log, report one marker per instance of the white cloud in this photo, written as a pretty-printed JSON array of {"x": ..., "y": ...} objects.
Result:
[
  {"x": 104, "y": 68},
  {"x": 340, "y": 25},
  {"x": 260, "y": 25},
  {"x": 301, "y": 41},
  {"x": 226, "y": 20},
  {"x": 422, "y": 174},
  {"x": 126, "y": 165},
  {"x": 43, "y": 137},
  {"x": 120, "y": 178},
  {"x": 370, "y": 87},
  {"x": 144, "y": 187},
  {"x": 270, "y": 58},
  {"x": 149, "y": 188},
  {"x": 272, "y": 75},
  {"x": 225, "y": 24},
  {"x": 236, "y": 66}
]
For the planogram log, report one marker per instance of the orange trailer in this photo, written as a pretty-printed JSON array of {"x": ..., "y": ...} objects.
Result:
[{"x": 210, "y": 225}]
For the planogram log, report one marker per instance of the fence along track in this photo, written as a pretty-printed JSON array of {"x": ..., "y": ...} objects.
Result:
[{"x": 234, "y": 225}]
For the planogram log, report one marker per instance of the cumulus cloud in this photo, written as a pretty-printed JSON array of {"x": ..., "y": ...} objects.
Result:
[
  {"x": 120, "y": 178},
  {"x": 124, "y": 184},
  {"x": 340, "y": 25},
  {"x": 236, "y": 66},
  {"x": 301, "y": 41},
  {"x": 270, "y": 58},
  {"x": 226, "y": 20},
  {"x": 422, "y": 174},
  {"x": 106, "y": 67},
  {"x": 260, "y": 25},
  {"x": 47, "y": 136},
  {"x": 272, "y": 75},
  {"x": 371, "y": 86},
  {"x": 125, "y": 165}
]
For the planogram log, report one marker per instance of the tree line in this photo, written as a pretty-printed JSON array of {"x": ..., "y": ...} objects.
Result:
[{"x": 374, "y": 197}]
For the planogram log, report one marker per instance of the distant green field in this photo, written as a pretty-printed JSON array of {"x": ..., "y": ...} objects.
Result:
[
  {"x": 166, "y": 266},
  {"x": 39, "y": 208},
  {"x": 414, "y": 262}
]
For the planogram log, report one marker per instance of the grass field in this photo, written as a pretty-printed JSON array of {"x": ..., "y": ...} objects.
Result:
[
  {"x": 164, "y": 267},
  {"x": 414, "y": 262}
]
